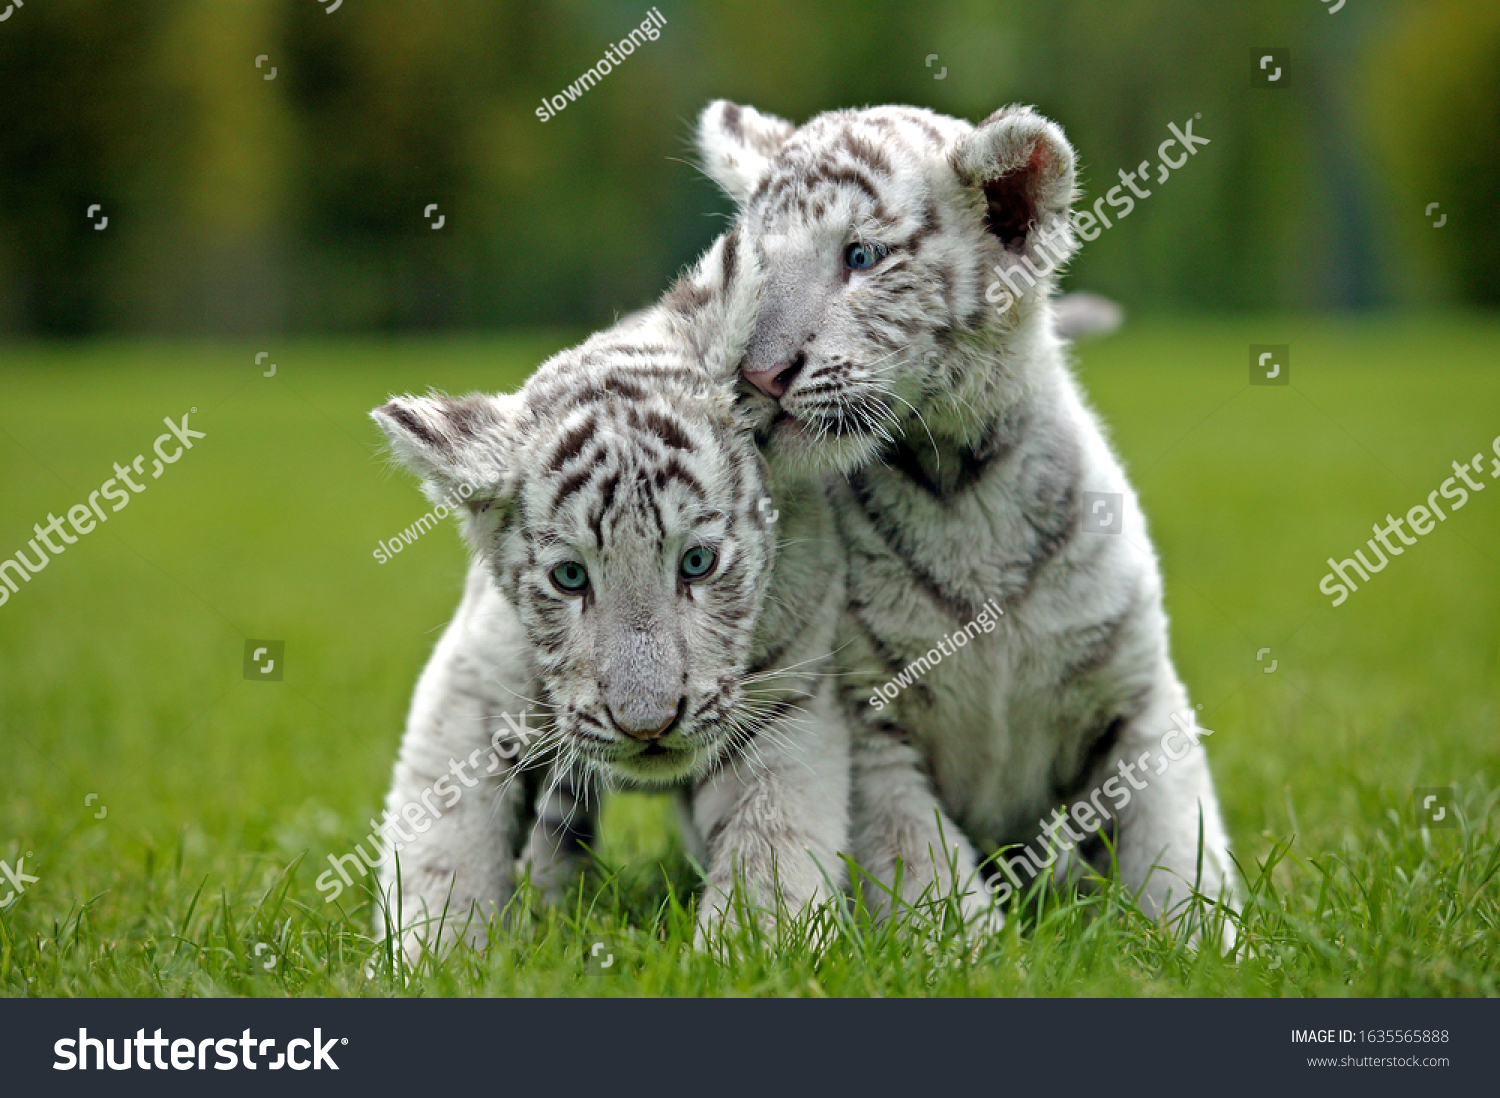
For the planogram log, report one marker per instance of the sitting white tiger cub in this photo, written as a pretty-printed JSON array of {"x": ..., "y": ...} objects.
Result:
[
  {"x": 637, "y": 578},
  {"x": 887, "y": 349}
]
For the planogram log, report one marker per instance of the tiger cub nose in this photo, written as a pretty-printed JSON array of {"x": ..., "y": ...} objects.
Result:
[
  {"x": 778, "y": 379},
  {"x": 646, "y": 722}
]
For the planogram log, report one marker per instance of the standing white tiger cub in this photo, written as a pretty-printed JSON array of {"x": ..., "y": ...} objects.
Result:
[
  {"x": 966, "y": 452},
  {"x": 638, "y": 578}
]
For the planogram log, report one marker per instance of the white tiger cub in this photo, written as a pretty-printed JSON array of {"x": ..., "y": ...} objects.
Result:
[
  {"x": 888, "y": 349},
  {"x": 669, "y": 608}
]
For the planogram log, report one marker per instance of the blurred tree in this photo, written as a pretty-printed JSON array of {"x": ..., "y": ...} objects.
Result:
[
  {"x": 242, "y": 204},
  {"x": 1432, "y": 106}
]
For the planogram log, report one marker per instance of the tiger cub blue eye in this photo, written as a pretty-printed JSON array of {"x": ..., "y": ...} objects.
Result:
[
  {"x": 698, "y": 562},
  {"x": 859, "y": 256},
  {"x": 570, "y": 577}
]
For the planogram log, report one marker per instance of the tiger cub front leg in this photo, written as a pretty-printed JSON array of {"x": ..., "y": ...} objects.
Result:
[
  {"x": 563, "y": 836},
  {"x": 454, "y": 788},
  {"x": 906, "y": 843},
  {"x": 775, "y": 821}
]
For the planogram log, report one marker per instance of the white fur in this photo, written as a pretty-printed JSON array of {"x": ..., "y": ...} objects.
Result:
[
  {"x": 769, "y": 814},
  {"x": 903, "y": 377}
]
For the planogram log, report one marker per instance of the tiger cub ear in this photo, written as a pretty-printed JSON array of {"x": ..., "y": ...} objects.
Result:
[
  {"x": 462, "y": 448},
  {"x": 1025, "y": 168},
  {"x": 712, "y": 307},
  {"x": 736, "y": 143}
]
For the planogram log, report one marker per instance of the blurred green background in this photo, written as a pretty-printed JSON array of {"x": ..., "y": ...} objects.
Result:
[
  {"x": 287, "y": 216},
  {"x": 242, "y": 205}
]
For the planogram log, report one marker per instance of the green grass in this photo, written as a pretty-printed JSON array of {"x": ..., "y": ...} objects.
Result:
[{"x": 120, "y": 675}]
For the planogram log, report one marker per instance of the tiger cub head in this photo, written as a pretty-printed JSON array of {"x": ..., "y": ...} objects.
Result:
[
  {"x": 618, "y": 502},
  {"x": 907, "y": 259}
]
